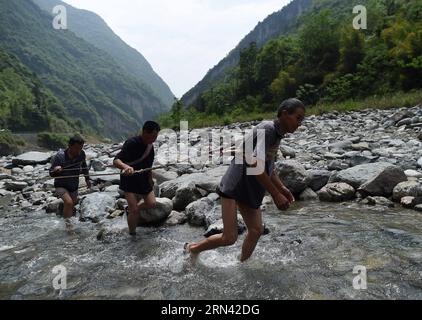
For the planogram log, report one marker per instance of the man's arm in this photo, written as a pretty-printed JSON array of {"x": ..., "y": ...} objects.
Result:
[
  {"x": 56, "y": 167},
  {"x": 120, "y": 158},
  {"x": 281, "y": 187},
  {"x": 280, "y": 200}
]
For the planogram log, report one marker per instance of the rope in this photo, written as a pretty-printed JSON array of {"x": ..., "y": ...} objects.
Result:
[{"x": 111, "y": 174}]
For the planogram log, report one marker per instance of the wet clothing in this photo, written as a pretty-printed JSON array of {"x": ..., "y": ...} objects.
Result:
[
  {"x": 73, "y": 167},
  {"x": 133, "y": 150},
  {"x": 237, "y": 184}
]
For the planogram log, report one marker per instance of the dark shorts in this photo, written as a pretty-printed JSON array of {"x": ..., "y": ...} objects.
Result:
[{"x": 223, "y": 195}]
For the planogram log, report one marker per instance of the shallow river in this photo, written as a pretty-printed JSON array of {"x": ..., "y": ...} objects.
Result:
[{"x": 310, "y": 254}]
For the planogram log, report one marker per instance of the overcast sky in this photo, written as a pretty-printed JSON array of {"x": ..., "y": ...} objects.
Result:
[{"x": 182, "y": 39}]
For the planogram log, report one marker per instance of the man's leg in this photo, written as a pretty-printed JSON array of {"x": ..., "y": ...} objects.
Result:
[
  {"x": 68, "y": 205},
  {"x": 149, "y": 202},
  {"x": 253, "y": 220},
  {"x": 229, "y": 236},
  {"x": 133, "y": 217}
]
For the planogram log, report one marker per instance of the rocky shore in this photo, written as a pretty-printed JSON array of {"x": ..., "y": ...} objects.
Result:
[{"x": 373, "y": 157}]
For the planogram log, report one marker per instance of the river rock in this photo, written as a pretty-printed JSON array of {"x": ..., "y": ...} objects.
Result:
[
  {"x": 97, "y": 165},
  {"x": 162, "y": 175},
  {"x": 95, "y": 206},
  {"x": 420, "y": 163},
  {"x": 410, "y": 202},
  {"x": 358, "y": 160},
  {"x": 362, "y": 146},
  {"x": 157, "y": 215},
  {"x": 54, "y": 206},
  {"x": 17, "y": 171},
  {"x": 318, "y": 178},
  {"x": 336, "y": 192},
  {"x": 218, "y": 227},
  {"x": 198, "y": 210},
  {"x": 4, "y": 176},
  {"x": 407, "y": 189},
  {"x": 207, "y": 181},
  {"x": 32, "y": 158},
  {"x": 28, "y": 169},
  {"x": 378, "y": 201},
  {"x": 293, "y": 175},
  {"x": 308, "y": 195},
  {"x": 337, "y": 165},
  {"x": 121, "y": 204},
  {"x": 413, "y": 174},
  {"x": 383, "y": 183},
  {"x": 175, "y": 218},
  {"x": 418, "y": 208},
  {"x": 185, "y": 195},
  {"x": 359, "y": 175},
  {"x": 287, "y": 151},
  {"x": 15, "y": 185}
]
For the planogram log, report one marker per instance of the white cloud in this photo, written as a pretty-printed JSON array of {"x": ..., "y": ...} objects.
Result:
[{"x": 182, "y": 39}]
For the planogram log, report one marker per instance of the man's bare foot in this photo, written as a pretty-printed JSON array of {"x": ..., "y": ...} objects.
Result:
[
  {"x": 187, "y": 250},
  {"x": 69, "y": 227}
]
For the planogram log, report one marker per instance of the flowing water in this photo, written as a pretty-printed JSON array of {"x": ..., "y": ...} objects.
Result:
[{"x": 310, "y": 254}]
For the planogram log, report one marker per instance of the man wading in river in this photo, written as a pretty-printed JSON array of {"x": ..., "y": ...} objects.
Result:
[
  {"x": 138, "y": 153},
  {"x": 70, "y": 162},
  {"x": 246, "y": 192}
]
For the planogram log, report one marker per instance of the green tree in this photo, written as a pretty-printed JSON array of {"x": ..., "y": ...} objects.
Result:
[
  {"x": 319, "y": 45},
  {"x": 352, "y": 50},
  {"x": 246, "y": 73}
]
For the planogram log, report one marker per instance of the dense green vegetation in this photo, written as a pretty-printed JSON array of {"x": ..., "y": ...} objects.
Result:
[
  {"x": 25, "y": 103},
  {"x": 327, "y": 63},
  {"x": 93, "y": 29},
  {"x": 52, "y": 141},
  {"x": 96, "y": 92},
  {"x": 7, "y": 138}
]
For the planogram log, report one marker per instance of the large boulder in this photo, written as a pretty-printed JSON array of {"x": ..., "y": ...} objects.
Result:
[
  {"x": 162, "y": 175},
  {"x": 32, "y": 158},
  {"x": 175, "y": 218},
  {"x": 336, "y": 192},
  {"x": 185, "y": 195},
  {"x": 308, "y": 195},
  {"x": 359, "y": 175},
  {"x": 95, "y": 206},
  {"x": 207, "y": 181},
  {"x": 407, "y": 189},
  {"x": 157, "y": 215},
  {"x": 293, "y": 175},
  {"x": 384, "y": 182},
  {"x": 318, "y": 178},
  {"x": 197, "y": 212},
  {"x": 218, "y": 227},
  {"x": 54, "y": 206}
]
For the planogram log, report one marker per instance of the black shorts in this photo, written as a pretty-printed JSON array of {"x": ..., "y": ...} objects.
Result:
[{"x": 223, "y": 195}]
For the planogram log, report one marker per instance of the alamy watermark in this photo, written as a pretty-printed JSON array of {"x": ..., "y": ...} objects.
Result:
[
  {"x": 360, "y": 282},
  {"x": 202, "y": 147},
  {"x": 361, "y": 20},
  {"x": 60, "y": 280},
  {"x": 60, "y": 17}
]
